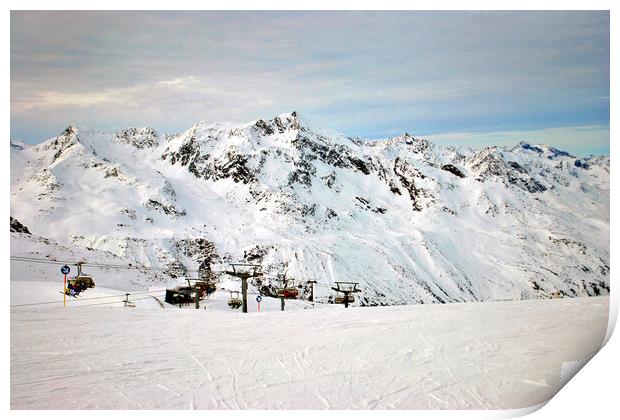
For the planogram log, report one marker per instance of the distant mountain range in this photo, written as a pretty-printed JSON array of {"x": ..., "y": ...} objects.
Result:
[{"x": 410, "y": 221}]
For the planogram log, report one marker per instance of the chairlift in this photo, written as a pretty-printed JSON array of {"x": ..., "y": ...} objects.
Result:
[
  {"x": 82, "y": 280},
  {"x": 127, "y": 302},
  {"x": 205, "y": 287},
  {"x": 72, "y": 288},
  {"x": 235, "y": 301},
  {"x": 179, "y": 296},
  {"x": 286, "y": 291},
  {"x": 290, "y": 293},
  {"x": 340, "y": 299},
  {"x": 345, "y": 290}
]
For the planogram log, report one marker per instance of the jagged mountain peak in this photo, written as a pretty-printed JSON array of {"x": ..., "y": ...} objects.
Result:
[
  {"x": 72, "y": 129},
  {"x": 289, "y": 121},
  {"x": 145, "y": 137},
  {"x": 540, "y": 149},
  {"x": 61, "y": 143},
  {"x": 291, "y": 124},
  {"x": 408, "y": 143}
]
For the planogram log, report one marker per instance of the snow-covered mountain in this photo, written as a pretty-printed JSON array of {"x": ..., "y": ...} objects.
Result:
[{"x": 410, "y": 221}]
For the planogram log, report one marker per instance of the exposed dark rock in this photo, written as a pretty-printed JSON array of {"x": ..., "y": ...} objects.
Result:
[
  {"x": 16, "y": 226},
  {"x": 302, "y": 174},
  {"x": 129, "y": 213},
  {"x": 448, "y": 210},
  {"x": 553, "y": 153},
  {"x": 422, "y": 146},
  {"x": 231, "y": 165},
  {"x": 111, "y": 172},
  {"x": 490, "y": 164},
  {"x": 527, "y": 146},
  {"x": 530, "y": 184},
  {"x": 394, "y": 188},
  {"x": 264, "y": 128},
  {"x": 569, "y": 242},
  {"x": 604, "y": 268},
  {"x": 582, "y": 163},
  {"x": 337, "y": 155},
  {"x": 407, "y": 174},
  {"x": 138, "y": 137},
  {"x": 175, "y": 269},
  {"x": 330, "y": 179},
  {"x": 493, "y": 210},
  {"x": 359, "y": 164},
  {"x": 517, "y": 167},
  {"x": 16, "y": 146},
  {"x": 203, "y": 252},
  {"x": 170, "y": 210},
  {"x": 453, "y": 170},
  {"x": 307, "y": 210},
  {"x": 287, "y": 123},
  {"x": 256, "y": 254}
]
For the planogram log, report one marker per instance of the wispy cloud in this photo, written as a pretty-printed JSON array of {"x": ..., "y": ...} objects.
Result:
[{"x": 362, "y": 73}]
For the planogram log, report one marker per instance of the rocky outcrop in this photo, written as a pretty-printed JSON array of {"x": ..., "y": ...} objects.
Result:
[
  {"x": 138, "y": 137},
  {"x": 453, "y": 170},
  {"x": 490, "y": 164},
  {"x": 17, "y": 227},
  {"x": 167, "y": 209}
]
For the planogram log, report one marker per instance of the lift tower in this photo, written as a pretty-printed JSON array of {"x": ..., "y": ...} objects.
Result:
[
  {"x": 347, "y": 289},
  {"x": 244, "y": 272}
]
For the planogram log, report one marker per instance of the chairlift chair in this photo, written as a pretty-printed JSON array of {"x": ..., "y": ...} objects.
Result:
[
  {"x": 290, "y": 293},
  {"x": 340, "y": 299},
  {"x": 234, "y": 302},
  {"x": 128, "y": 303},
  {"x": 286, "y": 291},
  {"x": 205, "y": 286},
  {"x": 83, "y": 280}
]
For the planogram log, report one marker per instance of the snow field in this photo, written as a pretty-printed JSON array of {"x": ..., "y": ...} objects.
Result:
[{"x": 491, "y": 355}]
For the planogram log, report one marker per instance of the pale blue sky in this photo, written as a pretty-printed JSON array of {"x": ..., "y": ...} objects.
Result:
[{"x": 471, "y": 78}]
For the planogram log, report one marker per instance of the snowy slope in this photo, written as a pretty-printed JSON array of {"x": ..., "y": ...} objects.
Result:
[
  {"x": 489, "y": 355},
  {"x": 411, "y": 221}
]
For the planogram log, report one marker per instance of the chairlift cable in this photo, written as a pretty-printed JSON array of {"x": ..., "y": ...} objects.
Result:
[{"x": 90, "y": 298}]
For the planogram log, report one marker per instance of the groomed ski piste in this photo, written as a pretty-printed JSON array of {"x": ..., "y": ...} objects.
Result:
[{"x": 488, "y": 355}]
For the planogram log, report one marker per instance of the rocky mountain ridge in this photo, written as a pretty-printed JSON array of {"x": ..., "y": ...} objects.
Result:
[{"x": 410, "y": 221}]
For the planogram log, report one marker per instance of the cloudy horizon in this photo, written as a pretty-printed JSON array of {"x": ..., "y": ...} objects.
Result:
[{"x": 464, "y": 78}]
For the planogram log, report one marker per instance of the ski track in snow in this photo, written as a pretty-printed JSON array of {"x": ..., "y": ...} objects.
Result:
[{"x": 490, "y": 355}]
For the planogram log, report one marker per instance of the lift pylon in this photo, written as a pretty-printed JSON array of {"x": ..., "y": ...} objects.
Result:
[
  {"x": 244, "y": 272},
  {"x": 347, "y": 289}
]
